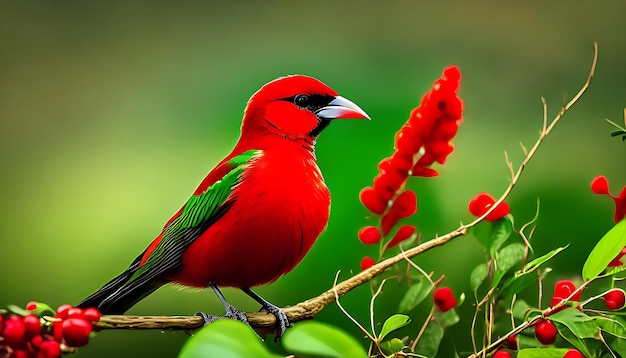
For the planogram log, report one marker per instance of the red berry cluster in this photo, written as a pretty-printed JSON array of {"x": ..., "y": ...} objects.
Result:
[
  {"x": 482, "y": 202},
  {"x": 29, "y": 336},
  {"x": 423, "y": 140},
  {"x": 444, "y": 299},
  {"x": 600, "y": 186}
]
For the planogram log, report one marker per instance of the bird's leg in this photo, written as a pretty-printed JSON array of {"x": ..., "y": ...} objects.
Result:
[
  {"x": 231, "y": 312},
  {"x": 282, "y": 322}
]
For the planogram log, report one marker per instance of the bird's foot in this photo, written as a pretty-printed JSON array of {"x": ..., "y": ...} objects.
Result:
[
  {"x": 282, "y": 322},
  {"x": 231, "y": 313},
  {"x": 207, "y": 318}
]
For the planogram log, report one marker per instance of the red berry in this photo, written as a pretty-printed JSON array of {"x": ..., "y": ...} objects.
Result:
[
  {"x": 614, "y": 299},
  {"x": 36, "y": 340},
  {"x": 31, "y": 306},
  {"x": 62, "y": 311},
  {"x": 32, "y": 325},
  {"x": 545, "y": 332},
  {"x": 50, "y": 349},
  {"x": 1, "y": 323},
  {"x": 75, "y": 312},
  {"x": 573, "y": 353},
  {"x": 20, "y": 353},
  {"x": 403, "y": 233},
  {"x": 57, "y": 331},
  {"x": 92, "y": 314},
  {"x": 564, "y": 288},
  {"x": 369, "y": 235},
  {"x": 76, "y": 331},
  {"x": 483, "y": 202},
  {"x": 599, "y": 185},
  {"x": 367, "y": 262},
  {"x": 502, "y": 354},
  {"x": 444, "y": 299},
  {"x": 14, "y": 332}
]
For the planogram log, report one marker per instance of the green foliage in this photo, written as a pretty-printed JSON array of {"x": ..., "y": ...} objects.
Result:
[
  {"x": 493, "y": 234},
  {"x": 542, "y": 353},
  {"x": 226, "y": 339},
  {"x": 392, "y": 323},
  {"x": 418, "y": 291},
  {"x": 605, "y": 250},
  {"x": 428, "y": 345},
  {"x": 312, "y": 339}
]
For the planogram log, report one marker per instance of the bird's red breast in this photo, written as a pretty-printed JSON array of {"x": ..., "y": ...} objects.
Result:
[{"x": 280, "y": 208}]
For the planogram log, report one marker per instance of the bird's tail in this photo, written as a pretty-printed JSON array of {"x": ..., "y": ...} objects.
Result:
[{"x": 121, "y": 293}]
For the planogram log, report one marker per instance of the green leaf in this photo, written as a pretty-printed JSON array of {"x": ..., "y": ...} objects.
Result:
[
  {"x": 542, "y": 353},
  {"x": 581, "y": 325},
  {"x": 493, "y": 234},
  {"x": 415, "y": 295},
  {"x": 18, "y": 310},
  {"x": 508, "y": 257},
  {"x": 478, "y": 276},
  {"x": 392, "y": 346},
  {"x": 619, "y": 346},
  {"x": 615, "y": 326},
  {"x": 429, "y": 342},
  {"x": 316, "y": 339},
  {"x": 588, "y": 347},
  {"x": 605, "y": 250},
  {"x": 392, "y": 323},
  {"x": 521, "y": 279},
  {"x": 520, "y": 308},
  {"x": 225, "y": 338},
  {"x": 447, "y": 319}
]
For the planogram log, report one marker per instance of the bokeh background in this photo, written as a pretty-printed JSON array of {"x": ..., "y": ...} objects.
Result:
[{"x": 111, "y": 113}]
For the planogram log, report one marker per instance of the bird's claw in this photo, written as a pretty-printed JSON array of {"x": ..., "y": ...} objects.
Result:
[
  {"x": 231, "y": 313},
  {"x": 282, "y": 322}
]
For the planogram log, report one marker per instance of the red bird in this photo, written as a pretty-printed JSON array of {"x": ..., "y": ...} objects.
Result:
[{"x": 255, "y": 215}]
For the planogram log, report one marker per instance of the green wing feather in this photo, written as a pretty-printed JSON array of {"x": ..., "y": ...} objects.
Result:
[{"x": 198, "y": 213}]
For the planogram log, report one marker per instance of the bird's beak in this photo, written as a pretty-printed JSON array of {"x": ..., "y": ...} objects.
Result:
[{"x": 341, "y": 108}]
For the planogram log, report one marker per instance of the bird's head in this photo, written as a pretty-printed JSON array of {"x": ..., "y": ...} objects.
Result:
[{"x": 297, "y": 108}]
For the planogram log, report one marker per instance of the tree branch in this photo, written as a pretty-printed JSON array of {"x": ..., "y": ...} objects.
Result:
[{"x": 309, "y": 308}]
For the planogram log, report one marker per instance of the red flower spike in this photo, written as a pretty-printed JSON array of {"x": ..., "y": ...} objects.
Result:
[
  {"x": 600, "y": 185},
  {"x": 388, "y": 183},
  {"x": 406, "y": 203},
  {"x": 501, "y": 354},
  {"x": 372, "y": 201},
  {"x": 614, "y": 299},
  {"x": 369, "y": 235},
  {"x": 76, "y": 331},
  {"x": 367, "y": 262},
  {"x": 444, "y": 299},
  {"x": 390, "y": 219},
  {"x": 545, "y": 332},
  {"x": 424, "y": 172},
  {"x": 573, "y": 353},
  {"x": 403, "y": 233}
]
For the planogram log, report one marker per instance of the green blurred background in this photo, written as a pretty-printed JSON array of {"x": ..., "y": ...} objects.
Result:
[{"x": 112, "y": 112}]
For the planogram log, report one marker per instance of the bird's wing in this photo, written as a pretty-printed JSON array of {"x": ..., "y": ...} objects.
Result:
[
  {"x": 200, "y": 211},
  {"x": 164, "y": 255}
]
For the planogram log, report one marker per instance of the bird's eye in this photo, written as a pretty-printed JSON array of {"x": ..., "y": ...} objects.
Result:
[{"x": 301, "y": 100}]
